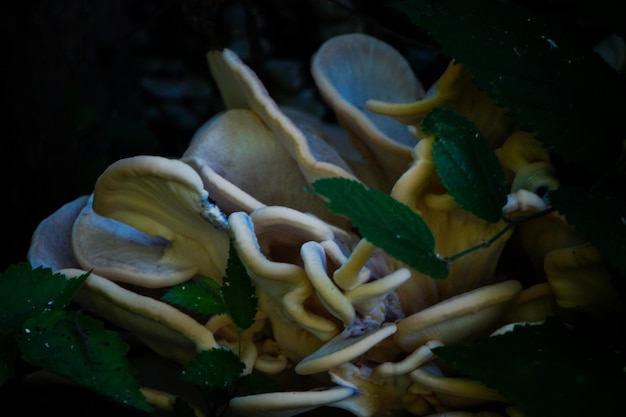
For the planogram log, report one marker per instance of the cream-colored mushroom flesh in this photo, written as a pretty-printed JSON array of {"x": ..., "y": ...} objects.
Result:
[
  {"x": 287, "y": 404},
  {"x": 165, "y": 197},
  {"x": 241, "y": 89},
  {"x": 238, "y": 156},
  {"x": 122, "y": 253},
  {"x": 459, "y": 318},
  {"x": 342, "y": 349},
  {"x": 165, "y": 329}
]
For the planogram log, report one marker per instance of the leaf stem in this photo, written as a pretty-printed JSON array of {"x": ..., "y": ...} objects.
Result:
[{"x": 510, "y": 224}]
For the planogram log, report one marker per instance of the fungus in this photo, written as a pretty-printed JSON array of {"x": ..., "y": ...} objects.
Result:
[
  {"x": 349, "y": 70},
  {"x": 288, "y": 403}
]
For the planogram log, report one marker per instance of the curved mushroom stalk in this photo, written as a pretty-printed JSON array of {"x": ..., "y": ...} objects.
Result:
[
  {"x": 165, "y": 329},
  {"x": 351, "y": 69},
  {"x": 268, "y": 242},
  {"x": 291, "y": 258},
  {"x": 454, "y": 90},
  {"x": 238, "y": 157},
  {"x": 165, "y": 198}
]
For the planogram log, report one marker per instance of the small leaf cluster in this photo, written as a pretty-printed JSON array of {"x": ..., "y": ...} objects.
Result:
[
  {"x": 39, "y": 328},
  {"x": 218, "y": 371}
]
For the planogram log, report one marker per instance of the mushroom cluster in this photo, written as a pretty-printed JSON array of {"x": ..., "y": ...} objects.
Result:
[{"x": 340, "y": 322}]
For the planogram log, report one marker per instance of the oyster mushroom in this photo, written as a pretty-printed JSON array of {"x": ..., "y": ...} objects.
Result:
[
  {"x": 240, "y": 88},
  {"x": 165, "y": 329},
  {"x": 459, "y": 318},
  {"x": 353, "y": 68},
  {"x": 287, "y": 404},
  {"x": 161, "y": 197}
]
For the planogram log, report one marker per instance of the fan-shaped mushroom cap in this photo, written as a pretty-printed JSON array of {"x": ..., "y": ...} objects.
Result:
[
  {"x": 51, "y": 245},
  {"x": 287, "y": 404},
  {"x": 165, "y": 329},
  {"x": 241, "y": 89},
  {"x": 353, "y": 68},
  {"x": 162, "y": 197},
  {"x": 238, "y": 156},
  {"x": 459, "y": 318},
  {"x": 343, "y": 348},
  {"x": 454, "y": 90},
  {"x": 122, "y": 253}
]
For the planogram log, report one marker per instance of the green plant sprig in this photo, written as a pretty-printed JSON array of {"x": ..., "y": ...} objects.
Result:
[{"x": 217, "y": 371}]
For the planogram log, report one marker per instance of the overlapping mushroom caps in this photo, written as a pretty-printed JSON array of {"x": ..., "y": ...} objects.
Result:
[{"x": 352, "y": 327}]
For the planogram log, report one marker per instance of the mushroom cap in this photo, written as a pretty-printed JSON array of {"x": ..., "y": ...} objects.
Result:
[
  {"x": 460, "y": 318},
  {"x": 343, "y": 348},
  {"x": 165, "y": 329},
  {"x": 241, "y": 89},
  {"x": 287, "y": 404},
  {"x": 244, "y": 166},
  {"x": 353, "y": 68},
  {"x": 51, "y": 245},
  {"x": 165, "y": 197},
  {"x": 122, "y": 253}
]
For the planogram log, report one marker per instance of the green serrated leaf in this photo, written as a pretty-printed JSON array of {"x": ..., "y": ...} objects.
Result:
[
  {"x": 19, "y": 301},
  {"x": 386, "y": 222},
  {"x": 213, "y": 369},
  {"x": 202, "y": 298},
  {"x": 547, "y": 370},
  {"x": 599, "y": 216},
  {"x": 76, "y": 346},
  {"x": 239, "y": 292},
  {"x": 551, "y": 85},
  {"x": 466, "y": 164}
]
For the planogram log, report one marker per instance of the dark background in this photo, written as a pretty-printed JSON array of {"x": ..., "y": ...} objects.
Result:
[{"x": 88, "y": 82}]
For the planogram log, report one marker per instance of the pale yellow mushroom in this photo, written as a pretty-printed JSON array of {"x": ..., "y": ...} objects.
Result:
[
  {"x": 353, "y": 68},
  {"x": 289, "y": 403},
  {"x": 461, "y": 318},
  {"x": 165, "y": 329},
  {"x": 166, "y": 198},
  {"x": 122, "y": 253},
  {"x": 241, "y": 89},
  {"x": 244, "y": 166},
  {"x": 343, "y": 348}
]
